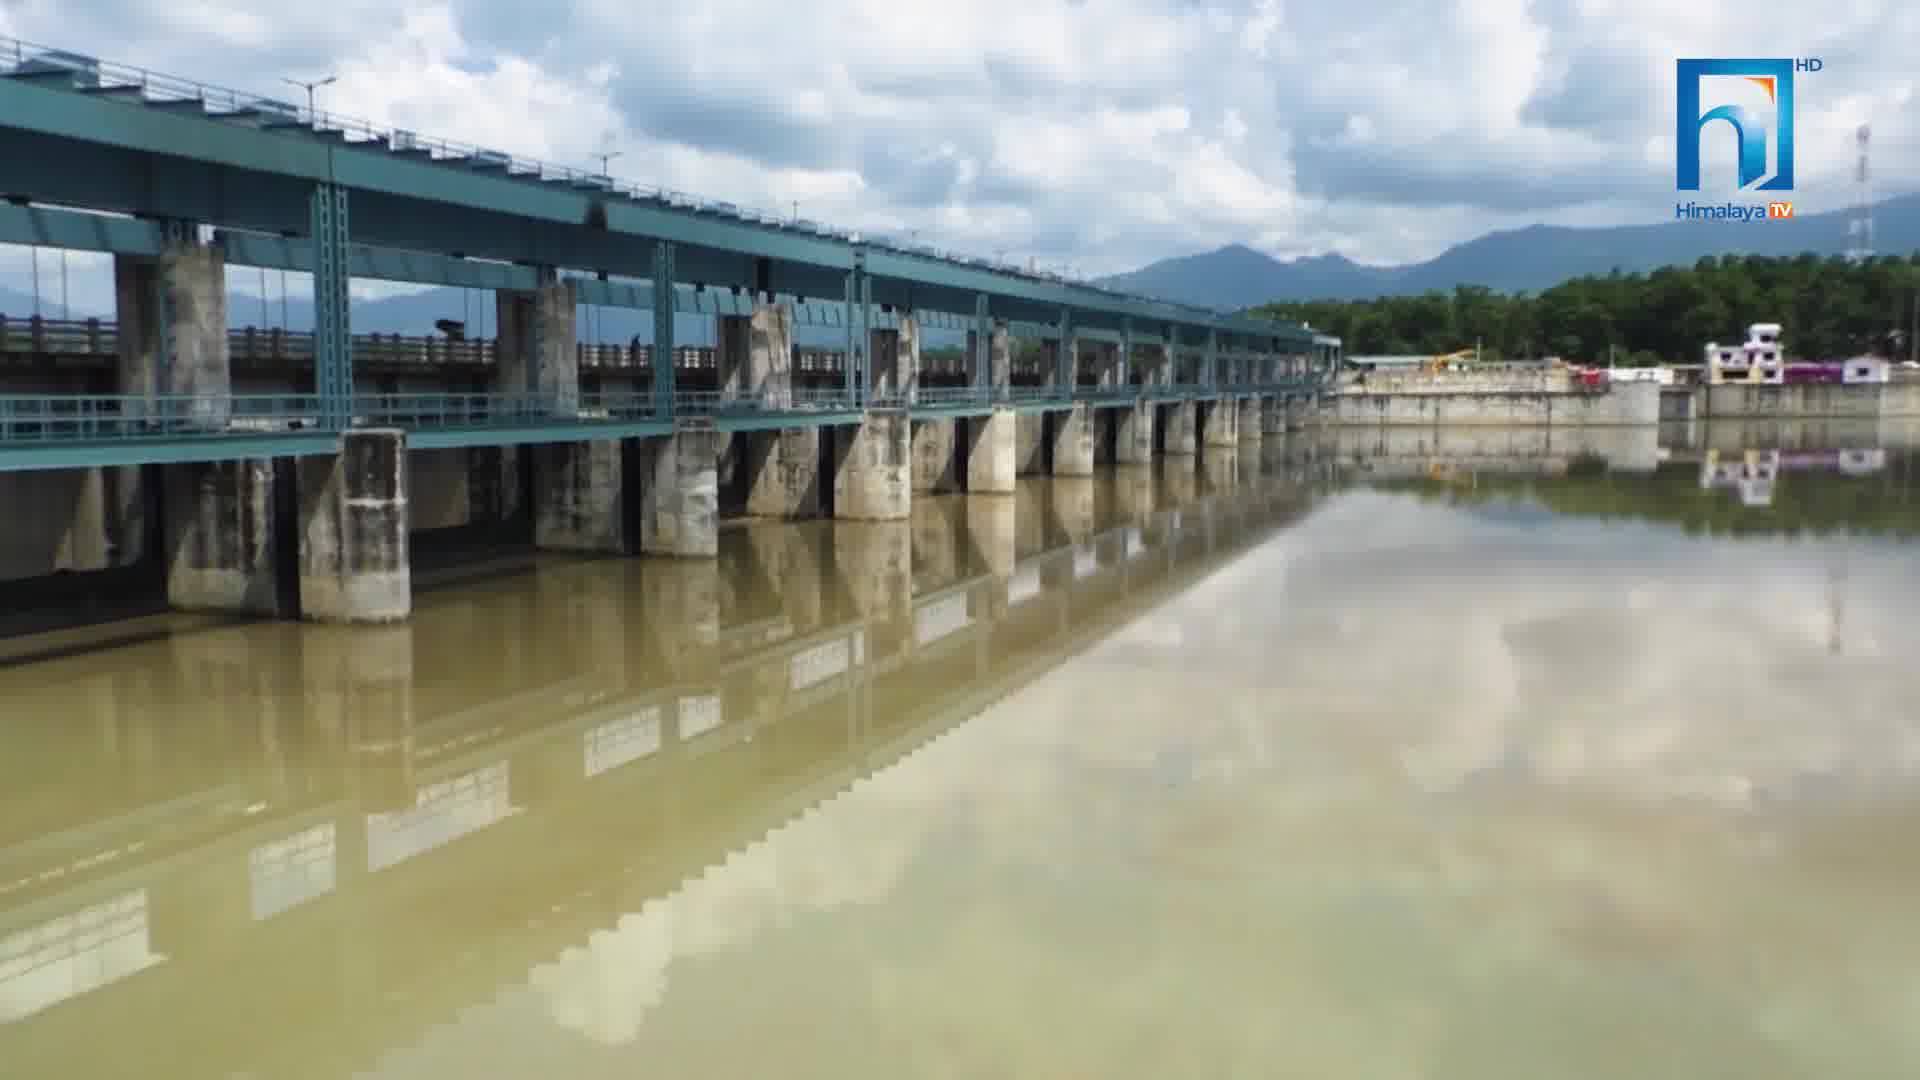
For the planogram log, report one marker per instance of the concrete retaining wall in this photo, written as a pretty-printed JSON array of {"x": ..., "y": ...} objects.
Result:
[
  {"x": 1414, "y": 450},
  {"x": 1630, "y": 403},
  {"x": 1825, "y": 401}
]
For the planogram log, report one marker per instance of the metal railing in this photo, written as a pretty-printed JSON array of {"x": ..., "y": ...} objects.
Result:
[
  {"x": 26, "y": 418},
  {"x": 44, "y": 418},
  {"x": 721, "y": 404},
  {"x": 95, "y": 337}
]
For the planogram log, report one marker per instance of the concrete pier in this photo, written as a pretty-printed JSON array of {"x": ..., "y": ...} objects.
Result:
[
  {"x": 754, "y": 357},
  {"x": 354, "y": 563},
  {"x": 990, "y": 461},
  {"x": 679, "y": 504},
  {"x": 1249, "y": 422},
  {"x": 1273, "y": 416},
  {"x": 896, "y": 362},
  {"x": 223, "y": 549},
  {"x": 996, "y": 353},
  {"x": 1029, "y": 444},
  {"x": 935, "y": 459},
  {"x": 578, "y": 496},
  {"x": 1133, "y": 443},
  {"x": 1222, "y": 423},
  {"x": 1182, "y": 429},
  {"x": 783, "y": 472},
  {"x": 1073, "y": 441},
  {"x": 535, "y": 352},
  {"x": 873, "y": 478},
  {"x": 182, "y": 294}
]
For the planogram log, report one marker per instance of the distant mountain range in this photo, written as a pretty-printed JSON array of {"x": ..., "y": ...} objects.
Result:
[{"x": 1516, "y": 260}]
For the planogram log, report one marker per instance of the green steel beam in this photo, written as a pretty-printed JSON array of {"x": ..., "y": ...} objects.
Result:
[
  {"x": 73, "y": 230},
  {"x": 26, "y": 457},
  {"x": 401, "y": 184},
  {"x": 560, "y": 431}
]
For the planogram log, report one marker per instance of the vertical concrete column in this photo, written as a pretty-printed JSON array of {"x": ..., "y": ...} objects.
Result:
[
  {"x": 173, "y": 336},
  {"x": 535, "y": 353},
  {"x": 783, "y": 471},
  {"x": 990, "y": 462},
  {"x": 732, "y": 347},
  {"x": 1182, "y": 429},
  {"x": 578, "y": 494},
  {"x": 1248, "y": 422},
  {"x": 1029, "y": 438},
  {"x": 679, "y": 504},
  {"x": 1073, "y": 441},
  {"x": 935, "y": 462},
  {"x": 896, "y": 361},
  {"x": 354, "y": 564},
  {"x": 770, "y": 356},
  {"x": 1221, "y": 421},
  {"x": 1272, "y": 416},
  {"x": 1133, "y": 444},
  {"x": 754, "y": 361},
  {"x": 873, "y": 480},
  {"x": 1000, "y": 360},
  {"x": 223, "y": 548}
]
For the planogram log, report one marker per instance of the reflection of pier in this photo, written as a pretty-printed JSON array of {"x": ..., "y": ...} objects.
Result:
[{"x": 338, "y": 882}]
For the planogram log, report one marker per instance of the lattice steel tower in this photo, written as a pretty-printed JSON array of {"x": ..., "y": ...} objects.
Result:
[{"x": 1860, "y": 221}]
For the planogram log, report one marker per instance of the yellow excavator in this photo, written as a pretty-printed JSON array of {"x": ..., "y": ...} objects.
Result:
[{"x": 1434, "y": 365}]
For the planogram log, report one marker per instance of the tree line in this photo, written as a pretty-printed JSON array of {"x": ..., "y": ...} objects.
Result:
[{"x": 1830, "y": 308}]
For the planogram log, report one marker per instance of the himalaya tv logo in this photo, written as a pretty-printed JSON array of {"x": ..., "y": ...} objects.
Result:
[{"x": 1753, "y": 100}]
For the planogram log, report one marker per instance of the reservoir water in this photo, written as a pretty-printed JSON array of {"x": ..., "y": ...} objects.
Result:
[{"x": 1338, "y": 757}]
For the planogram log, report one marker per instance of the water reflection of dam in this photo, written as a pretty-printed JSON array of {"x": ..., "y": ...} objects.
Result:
[{"x": 364, "y": 827}]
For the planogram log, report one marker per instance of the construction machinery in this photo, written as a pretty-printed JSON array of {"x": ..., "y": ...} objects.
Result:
[{"x": 1434, "y": 365}]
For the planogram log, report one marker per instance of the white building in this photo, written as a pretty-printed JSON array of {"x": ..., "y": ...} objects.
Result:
[{"x": 1757, "y": 360}]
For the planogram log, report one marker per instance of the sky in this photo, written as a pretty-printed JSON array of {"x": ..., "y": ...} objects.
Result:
[{"x": 1091, "y": 136}]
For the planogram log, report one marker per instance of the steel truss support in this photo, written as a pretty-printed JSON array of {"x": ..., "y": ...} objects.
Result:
[
  {"x": 1066, "y": 353},
  {"x": 982, "y": 343},
  {"x": 663, "y": 346},
  {"x": 859, "y": 365},
  {"x": 332, "y": 323}
]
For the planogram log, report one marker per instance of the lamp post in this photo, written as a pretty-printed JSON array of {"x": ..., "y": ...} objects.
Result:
[
  {"x": 606, "y": 162},
  {"x": 312, "y": 116}
]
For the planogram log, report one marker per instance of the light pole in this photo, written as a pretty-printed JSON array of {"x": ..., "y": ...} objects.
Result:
[
  {"x": 606, "y": 162},
  {"x": 312, "y": 117}
]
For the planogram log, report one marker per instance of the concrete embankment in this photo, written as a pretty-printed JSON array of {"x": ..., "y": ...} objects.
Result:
[
  {"x": 1512, "y": 402},
  {"x": 1860, "y": 401}
]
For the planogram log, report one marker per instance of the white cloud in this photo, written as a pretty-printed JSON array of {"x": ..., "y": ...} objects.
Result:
[{"x": 1102, "y": 135}]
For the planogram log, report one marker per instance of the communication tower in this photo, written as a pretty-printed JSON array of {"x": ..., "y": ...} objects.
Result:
[{"x": 1860, "y": 221}]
